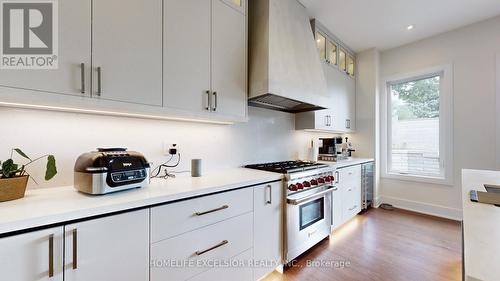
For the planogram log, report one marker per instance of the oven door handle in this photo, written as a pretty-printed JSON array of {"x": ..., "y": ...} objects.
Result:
[{"x": 309, "y": 197}]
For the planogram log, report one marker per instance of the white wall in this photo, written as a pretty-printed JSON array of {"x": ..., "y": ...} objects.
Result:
[
  {"x": 268, "y": 136},
  {"x": 366, "y": 136},
  {"x": 471, "y": 50}
]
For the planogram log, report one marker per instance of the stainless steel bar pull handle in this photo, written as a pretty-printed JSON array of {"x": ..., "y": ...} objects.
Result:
[
  {"x": 211, "y": 211},
  {"x": 51, "y": 256},
  {"x": 222, "y": 243},
  {"x": 82, "y": 76},
  {"x": 75, "y": 249},
  {"x": 309, "y": 197},
  {"x": 214, "y": 108},
  {"x": 269, "y": 195},
  {"x": 99, "y": 81},
  {"x": 209, "y": 105}
]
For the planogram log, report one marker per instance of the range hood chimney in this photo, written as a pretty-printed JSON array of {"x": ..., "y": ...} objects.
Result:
[{"x": 285, "y": 71}]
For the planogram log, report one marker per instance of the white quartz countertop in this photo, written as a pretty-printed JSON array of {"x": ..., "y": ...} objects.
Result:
[
  {"x": 481, "y": 223},
  {"x": 346, "y": 163},
  {"x": 42, "y": 207}
]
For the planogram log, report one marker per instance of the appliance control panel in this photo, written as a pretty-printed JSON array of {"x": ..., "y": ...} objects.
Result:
[
  {"x": 314, "y": 181},
  {"x": 126, "y": 176}
]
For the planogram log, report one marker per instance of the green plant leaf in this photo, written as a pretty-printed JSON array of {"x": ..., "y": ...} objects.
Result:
[
  {"x": 20, "y": 152},
  {"x": 51, "y": 168},
  {"x": 9, "y": 168}
]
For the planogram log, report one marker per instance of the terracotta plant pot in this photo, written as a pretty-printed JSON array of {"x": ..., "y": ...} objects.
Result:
[{"x": 13, "y": 188}]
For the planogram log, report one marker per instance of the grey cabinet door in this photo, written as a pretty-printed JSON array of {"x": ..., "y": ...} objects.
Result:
[
  {"x": 74, "y": 37},
  {"x": 32, "y": 256},
  {"x": 127, "y": 49},
  {"x": 109, "y": 248},
  {"x": 187, "y": 54},
  {"x": 229, "y": 97},
  {"x": 268, "y": 241}
]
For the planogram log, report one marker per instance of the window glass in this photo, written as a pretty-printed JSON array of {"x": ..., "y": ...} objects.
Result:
[
  {"x": 414, "y": 147},
  {"x": 321, "y": 43},
  {"x": 237, "y": 2},
  {"x": 332, "y": 53},
  {"x": 350, "y": 65},
  {"x": 342, "y": 60}
]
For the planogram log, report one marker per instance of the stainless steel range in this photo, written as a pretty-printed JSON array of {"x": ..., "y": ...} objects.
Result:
[{"x": 308, "y": 201}]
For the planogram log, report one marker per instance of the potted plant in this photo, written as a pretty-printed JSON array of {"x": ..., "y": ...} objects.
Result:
[{"x": 14, "y": 178}]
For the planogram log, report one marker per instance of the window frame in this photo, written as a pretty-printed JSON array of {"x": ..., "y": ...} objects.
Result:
[{"x": 445, "y": 124}]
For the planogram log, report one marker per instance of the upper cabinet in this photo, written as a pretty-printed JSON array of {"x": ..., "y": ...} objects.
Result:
[
  {"x": 72, "y": 77},
  {"x": 339, "y": 66},
  {"x": 205, "y": 57},
  {"x": 182, "y": 59},
  {"x": 126, "y": 51}
]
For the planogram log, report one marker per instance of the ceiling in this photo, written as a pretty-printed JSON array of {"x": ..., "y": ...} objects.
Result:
[{"x": 382, "y": 24}]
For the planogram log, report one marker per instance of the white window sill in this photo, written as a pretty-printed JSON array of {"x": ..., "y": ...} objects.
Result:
[{"x": 419, "y": 179}]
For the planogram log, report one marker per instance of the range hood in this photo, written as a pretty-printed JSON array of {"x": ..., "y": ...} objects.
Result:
[{"x": 285, "y": 71}]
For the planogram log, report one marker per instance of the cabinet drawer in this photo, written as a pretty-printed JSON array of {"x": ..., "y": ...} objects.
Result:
[
  {"x": 349, "y": 174},
  {"x": 183, "y": 256},
  {"x": 177, "y": 218},
  {"x": 240, "y": 273}
]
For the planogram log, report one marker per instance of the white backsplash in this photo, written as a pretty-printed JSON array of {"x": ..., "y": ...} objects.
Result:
[{"x": 268, "y": 136}]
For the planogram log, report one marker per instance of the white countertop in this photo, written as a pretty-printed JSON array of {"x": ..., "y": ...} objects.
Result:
[
  {"x": 481, "y": 228},
  {"x": 345, "y": 163},
  {"x": 48, "y": 206}
]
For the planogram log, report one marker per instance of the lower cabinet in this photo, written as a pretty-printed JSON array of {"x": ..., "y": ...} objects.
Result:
[
  {"x": 347, "y": 198},
  {"x": 234, "y": 235},
  {"x": 109, "y": 248},
  {"x": 187, "y": 255},
  {"x": 32, "y": 256},
  {"x": 268, "y": 228}
]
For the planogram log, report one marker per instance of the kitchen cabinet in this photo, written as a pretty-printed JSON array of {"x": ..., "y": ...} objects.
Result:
[
  {"x": 126, "y": 51},
  {"x": 32, "y": 256},
  {"x": 74, "y": 50},
  {"x": 187, "y": 28},
  {"x": 229, "y": 52},
  {"x": 268, "y": 223},
  {"x": 341, "y": 117},
  {"x": 109, "y": 248},
  {"x": 347, "y": 198},
  {"x": 102, "y": 54},
  {"x": 239, "y": 272},
  {"x": 338, "y": 68},
  {"x": 205, "y": 57},
  {"x": 217, "y": 242}
]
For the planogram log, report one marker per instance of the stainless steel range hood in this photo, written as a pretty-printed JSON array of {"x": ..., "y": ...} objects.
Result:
[{"x": 285, "y": 71}]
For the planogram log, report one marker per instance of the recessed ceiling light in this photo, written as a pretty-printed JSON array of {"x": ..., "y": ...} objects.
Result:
[{"x": 410, "y": 27}]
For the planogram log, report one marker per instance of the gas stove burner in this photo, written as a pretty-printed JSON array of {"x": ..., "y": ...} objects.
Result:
[{"x": 287, "y": 167}]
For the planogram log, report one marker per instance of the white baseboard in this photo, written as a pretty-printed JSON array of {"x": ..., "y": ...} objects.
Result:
[{"x": 420, "y": 207}]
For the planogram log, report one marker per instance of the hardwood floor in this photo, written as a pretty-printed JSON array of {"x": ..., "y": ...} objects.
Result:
[{"x": 384, "y": 245}]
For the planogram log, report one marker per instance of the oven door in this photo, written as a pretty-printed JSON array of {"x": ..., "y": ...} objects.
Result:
[{"x": 309, "y": 217}]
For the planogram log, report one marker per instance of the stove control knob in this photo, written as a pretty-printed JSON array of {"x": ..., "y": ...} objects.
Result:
[
  {"x": 306, "y": 184},
  {"x": 314, "y": 182},
  {"x": 327, "y": 179},
  {"x": 300, "y": 186},
  {"x": 293, "y": 187},
  {"x": 321, "y": 180}
]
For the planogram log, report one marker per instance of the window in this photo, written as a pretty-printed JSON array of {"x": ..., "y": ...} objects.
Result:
[
  {"x": 321, "y": 43},
  {"x": 342, "y": 60},
  {"x": 350, "y": 65},
  {"x": 332, "y": 53},
  {"x": 418, "y": 128}
]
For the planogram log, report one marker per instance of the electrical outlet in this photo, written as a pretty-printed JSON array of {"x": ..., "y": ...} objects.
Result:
[{"x": 173, "y": 150}]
